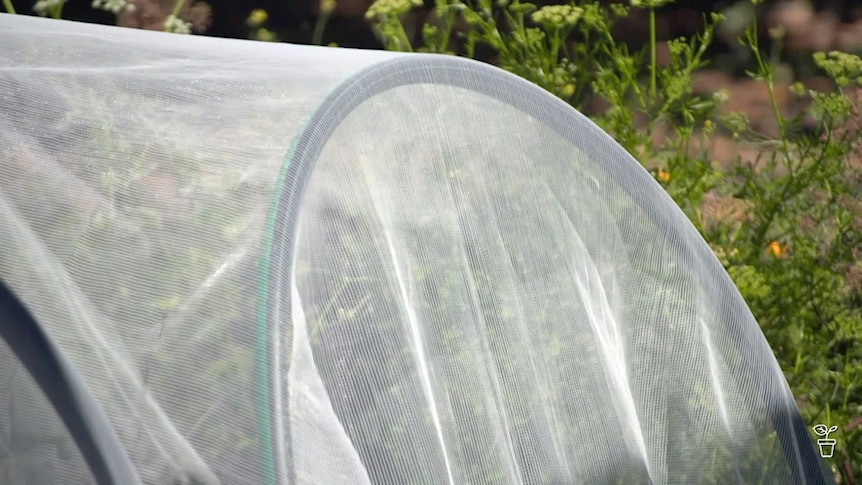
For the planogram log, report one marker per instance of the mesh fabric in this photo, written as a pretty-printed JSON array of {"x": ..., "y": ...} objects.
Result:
[{"x": 277, "y": 264}]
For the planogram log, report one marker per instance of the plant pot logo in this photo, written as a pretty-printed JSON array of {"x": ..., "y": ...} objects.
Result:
[{"x": 826, "y": 444}]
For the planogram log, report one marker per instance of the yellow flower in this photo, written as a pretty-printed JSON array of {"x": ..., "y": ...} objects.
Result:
[
  {"x": 257, "y": 17},
  {"x": 663, "y": 176},
  {"x": 777, "y": 249},
  {"x": 327, "y": 6},
  {"x": 568, "y": 90},
  {"x": 797, "y": 89}
]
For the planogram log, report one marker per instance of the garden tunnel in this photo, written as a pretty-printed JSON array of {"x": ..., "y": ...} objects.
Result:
[{"x": 236, "y": 262}]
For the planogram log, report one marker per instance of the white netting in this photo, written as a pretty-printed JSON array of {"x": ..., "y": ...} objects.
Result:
[{"x": 471, "y": 284}]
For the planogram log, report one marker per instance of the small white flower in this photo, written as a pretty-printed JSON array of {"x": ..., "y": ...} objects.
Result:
[
  {"x": 721, "y": 96},
  {"x": 177, "y": 25},
  {"x": 114, "y": 6},
  {"x": 42, "y": 6}
]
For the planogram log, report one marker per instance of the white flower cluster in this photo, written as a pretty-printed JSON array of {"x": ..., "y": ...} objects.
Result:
[
  {"x": 42, "y": 6},
  {"x": 114, "y": 6},
  {"x": 177, "y": 25},
  {"x": 383, "y": 9}
]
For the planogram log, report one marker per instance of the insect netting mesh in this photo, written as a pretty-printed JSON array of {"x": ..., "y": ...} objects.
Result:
[{"x": 278, "y": 264}]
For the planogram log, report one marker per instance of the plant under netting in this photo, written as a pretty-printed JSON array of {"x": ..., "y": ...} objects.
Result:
[{"x": 320, "y": 265}]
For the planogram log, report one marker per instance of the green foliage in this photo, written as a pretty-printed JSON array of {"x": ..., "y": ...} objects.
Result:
[
  {"x": 786, "y": 226},
  {"x": 752, "y": 285}
]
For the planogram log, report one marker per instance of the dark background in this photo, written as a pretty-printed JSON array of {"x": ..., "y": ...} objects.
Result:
[{"x": 293, "y": 20}]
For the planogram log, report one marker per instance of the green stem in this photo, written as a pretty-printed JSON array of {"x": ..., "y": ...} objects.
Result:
[
  {"x": 9, "y": 7},
  {"x": 555, "y": 48},
  {"x": 324, "y": 311},
  {"x": 56, "y": 11},
  {"x": 697, "y": 219},
  {"x": 776, "y": 205},
  {"x": 618, "y": 53},
  {"x": 177, "y": 7},
  {"x": 317, "y": 36},
  {"x": 405, "y": 39},
  {"x": 447, "y": 32},
  {"x": 770, "y": 84},
  {"x": 652, "y": 48}
]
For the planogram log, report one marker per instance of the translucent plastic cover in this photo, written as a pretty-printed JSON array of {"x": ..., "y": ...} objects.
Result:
[{"x": 284, "y": 264}]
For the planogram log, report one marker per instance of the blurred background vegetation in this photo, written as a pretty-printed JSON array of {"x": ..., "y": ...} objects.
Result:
[{"x": 747, "y": 112}]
